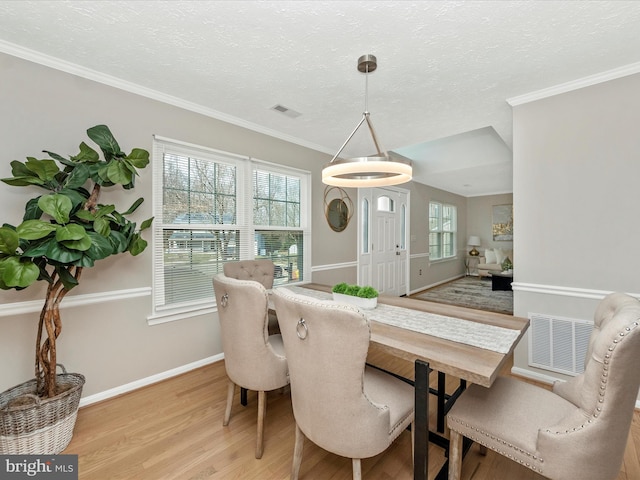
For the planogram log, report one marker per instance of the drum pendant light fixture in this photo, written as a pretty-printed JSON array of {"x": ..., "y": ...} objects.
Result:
[{"x": 377, "y": 170}]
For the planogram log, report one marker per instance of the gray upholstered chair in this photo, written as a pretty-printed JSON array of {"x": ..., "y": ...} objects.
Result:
[
  {"x": 261, "y": 271},
  {"x": 253, "y": 359},
  {"x": 258, "y": 270},
  {"x": 338, "y": 403},
  {"x": 578, "y": 430}
]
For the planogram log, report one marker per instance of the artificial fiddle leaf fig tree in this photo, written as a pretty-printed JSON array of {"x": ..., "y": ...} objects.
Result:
[{"x": 66, "y": 229}]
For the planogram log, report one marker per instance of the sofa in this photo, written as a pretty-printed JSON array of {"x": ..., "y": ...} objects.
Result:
[{"x": 492, "y": 259}]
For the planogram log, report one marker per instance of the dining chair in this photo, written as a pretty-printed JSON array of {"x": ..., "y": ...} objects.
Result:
[
  {"x": 339, "y": 404},
  {"x": 253, "y": 359},
  {"x": 577, "y": 430},
  {"x": 262, "y": 271}
]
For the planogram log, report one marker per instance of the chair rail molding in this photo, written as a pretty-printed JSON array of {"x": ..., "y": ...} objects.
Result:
[
  {"x": 564, "y": 291},
  {"x": 31, "y": 306}
]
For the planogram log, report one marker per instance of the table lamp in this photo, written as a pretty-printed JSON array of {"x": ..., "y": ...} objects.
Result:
[{"x": 474, "y": 242}]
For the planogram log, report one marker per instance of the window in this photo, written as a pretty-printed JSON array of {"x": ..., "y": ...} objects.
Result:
[
  {"x": 211, "y": 208},
  {"x": 443, "y": 224}
]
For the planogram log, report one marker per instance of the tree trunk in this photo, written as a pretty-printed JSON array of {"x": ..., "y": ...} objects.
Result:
[{"x": 46, "y": 361}]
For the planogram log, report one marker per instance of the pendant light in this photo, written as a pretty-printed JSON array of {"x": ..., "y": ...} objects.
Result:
[{"x": 381, "y": 169}]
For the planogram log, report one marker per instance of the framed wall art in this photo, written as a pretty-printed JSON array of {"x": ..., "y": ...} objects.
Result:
[{"x": 502, "y": 224}]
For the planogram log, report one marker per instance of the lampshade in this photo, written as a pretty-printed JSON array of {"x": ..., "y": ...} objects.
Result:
[
  {"x": 474, "y": 241},
  {"x": 377, "y": 170}
]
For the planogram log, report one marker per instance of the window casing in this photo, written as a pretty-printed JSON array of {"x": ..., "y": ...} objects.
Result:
[
  {"x": 443, "y": 225},
  {"x": 212, "y": 207}
]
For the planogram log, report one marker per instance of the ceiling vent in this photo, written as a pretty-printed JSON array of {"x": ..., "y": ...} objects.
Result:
[{"x": 286, "y": 111}]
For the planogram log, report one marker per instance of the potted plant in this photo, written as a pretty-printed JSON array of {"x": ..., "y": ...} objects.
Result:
[
  {"x": 364, "y": 297},
  {"x": 63, "y": 231}
]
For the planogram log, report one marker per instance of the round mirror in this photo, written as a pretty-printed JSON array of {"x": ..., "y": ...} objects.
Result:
[{"x": 337, "y": 215}]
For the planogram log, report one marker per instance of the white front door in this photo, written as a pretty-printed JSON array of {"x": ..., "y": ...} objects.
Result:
[{"x": 382, "y": 245}]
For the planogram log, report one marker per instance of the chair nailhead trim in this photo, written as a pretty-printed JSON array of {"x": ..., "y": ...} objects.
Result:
[{"x": 478, "y": 436}]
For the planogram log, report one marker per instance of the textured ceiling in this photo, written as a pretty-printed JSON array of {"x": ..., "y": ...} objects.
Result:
[{"x": 445, "y": 68}]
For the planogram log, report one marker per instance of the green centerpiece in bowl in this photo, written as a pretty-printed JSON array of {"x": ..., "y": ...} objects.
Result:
[{"x": 365, "y": 297}]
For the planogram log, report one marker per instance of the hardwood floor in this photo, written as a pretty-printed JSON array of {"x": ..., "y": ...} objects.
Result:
[{"x": 173, "y": 431}]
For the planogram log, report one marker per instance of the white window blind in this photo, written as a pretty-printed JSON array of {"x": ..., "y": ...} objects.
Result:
[
  {"x": 443, "y": 225},
  {"x": 212, "y": 207}
]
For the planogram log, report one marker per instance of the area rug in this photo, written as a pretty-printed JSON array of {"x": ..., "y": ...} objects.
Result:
[{"x": 471, "y": 292}]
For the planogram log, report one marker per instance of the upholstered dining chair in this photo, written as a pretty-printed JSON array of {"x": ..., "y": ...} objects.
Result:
[
  {"x": 253, "y": 359},
  {"x": 578, "y": 430},
  {"x": 262, "y": 271},
  {"x": 338, "y": 403}
]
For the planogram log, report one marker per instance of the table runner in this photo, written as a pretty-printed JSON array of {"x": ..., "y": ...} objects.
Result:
[{"x": 488, "y": 337}]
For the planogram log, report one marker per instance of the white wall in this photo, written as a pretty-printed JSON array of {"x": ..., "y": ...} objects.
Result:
[{"x": 576, "y": 201}]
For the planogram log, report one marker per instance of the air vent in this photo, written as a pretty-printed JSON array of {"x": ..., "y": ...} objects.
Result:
[
  {"x": 558, "y": 344},
  {"x": 286, "y": 111}
]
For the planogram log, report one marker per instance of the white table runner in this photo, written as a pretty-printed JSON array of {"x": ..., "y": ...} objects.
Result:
[{"x": 489, "y": 337}]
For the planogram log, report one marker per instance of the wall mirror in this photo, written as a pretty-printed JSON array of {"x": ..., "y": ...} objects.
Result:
[{"x": 339, "y": 209}]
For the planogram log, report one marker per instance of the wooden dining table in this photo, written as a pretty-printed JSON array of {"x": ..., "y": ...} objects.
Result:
[{"x": 468, "y": 363}]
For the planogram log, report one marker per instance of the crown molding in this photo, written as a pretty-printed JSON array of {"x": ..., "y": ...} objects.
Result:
[
  {"x": 105, "y": 79},
  {"x": 620, "y": 72}
]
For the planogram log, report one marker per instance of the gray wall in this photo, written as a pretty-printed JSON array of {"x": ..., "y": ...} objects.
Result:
[
  {"x": 423, "y": 273},
  {"x": 480, "y": 219},
  {"x": 576, "y": 199},
  {"x": 110, "y": 342}
]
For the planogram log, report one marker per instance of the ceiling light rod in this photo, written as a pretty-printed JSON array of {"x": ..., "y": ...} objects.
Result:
[{"x": 372, "y": 171}]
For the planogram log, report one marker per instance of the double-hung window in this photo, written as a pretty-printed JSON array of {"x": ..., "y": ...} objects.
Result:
[
  {"x": 212, "y": 207},
  {"x": 443, "y": 224}
]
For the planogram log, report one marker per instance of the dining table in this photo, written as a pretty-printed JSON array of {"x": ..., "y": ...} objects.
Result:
[{"x": 468, "y": 344}]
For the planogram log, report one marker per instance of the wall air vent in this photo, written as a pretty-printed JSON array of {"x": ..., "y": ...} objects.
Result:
[
  {"x": 558, "y": 344},
  {"x": 286, "y": 111}
]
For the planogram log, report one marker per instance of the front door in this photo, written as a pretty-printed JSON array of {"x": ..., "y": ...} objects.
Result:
[{"x": 382, "y": 240}]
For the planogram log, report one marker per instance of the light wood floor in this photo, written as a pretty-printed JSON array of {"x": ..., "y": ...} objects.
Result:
[{"x": 173, "y": 430}]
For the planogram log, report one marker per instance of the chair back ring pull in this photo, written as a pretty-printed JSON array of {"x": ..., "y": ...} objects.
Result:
[
  {"x": 301, "y": 329},
  {"x": 224, "y": 300}
]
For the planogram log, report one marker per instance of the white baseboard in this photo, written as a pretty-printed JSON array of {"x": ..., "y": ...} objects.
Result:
[
  {"x": 143, "y": 382},
  {"x": 426, "y": 287}
]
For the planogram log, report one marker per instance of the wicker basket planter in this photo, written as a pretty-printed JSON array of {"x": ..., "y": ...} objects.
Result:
[{"x": 39, "y": 426}]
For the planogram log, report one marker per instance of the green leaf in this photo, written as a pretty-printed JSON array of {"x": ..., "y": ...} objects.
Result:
[
  {"x": 55, "y": 156},
  {"x": 104, "y": 210},
  {"x": 35, "y": 229},
  {"x": 56, "y": 205},
  {"x": 82, "y": 244},
  {"x": 134, "y": 207},
  {"x": 137, "y": 245},
  {"x": 19, "y": 169},
  {"x": 45, "y": 169},
  {"x": 101, "y": 247},
  {"x": 84, "y": 261},
  {"x": 102, "y": 226},
  {"x": 85, "y": 215},
  {"x": 68, "y": 280},
  {"x": 87, "y": 154},
  {"x": 102, "y": 176},
  {"x": 19, "y": 274},
  {"x": 146, "y": 224},
  {"x": 23, "y": 181},
  {"x": 77, "y": 196},
  {"x": 78, "y": 177},
  {"x": 9, "y": 241},
  {"x": 39, "y": 249},
  {"x": 119, "y": 173},
  {"x": 118, "y": 241},
  {"x": 32, "y": 211},
  {"x": 58, "y": 253},
  {"x": 104, "y": 139},
  {"x": 138, "y": 157},
  {"x": 71, "y": 231}
]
